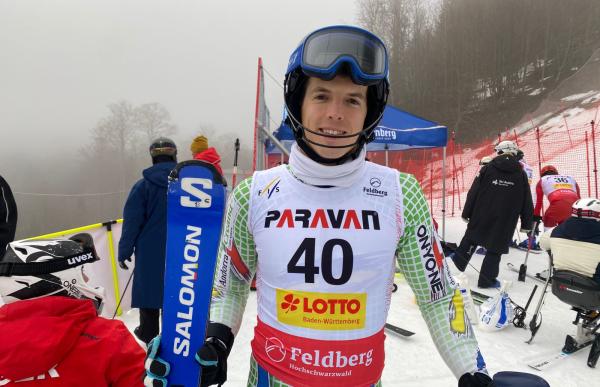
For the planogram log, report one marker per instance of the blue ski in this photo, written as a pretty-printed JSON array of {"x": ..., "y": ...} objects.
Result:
[{"x": 195, "y": 208}]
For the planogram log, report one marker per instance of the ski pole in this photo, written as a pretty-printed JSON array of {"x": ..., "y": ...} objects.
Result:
[
  {"x": 123, "y": 294},
  {"x": 523, "y": 268},
  {"x": 534, "y": 325},
  {"x": 521, "y": 313}
]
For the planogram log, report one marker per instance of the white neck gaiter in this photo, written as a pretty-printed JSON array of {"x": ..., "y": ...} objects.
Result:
[{"x": 313, "y": 173}]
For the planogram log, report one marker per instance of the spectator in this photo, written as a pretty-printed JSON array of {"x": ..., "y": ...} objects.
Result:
[
  {"x": 201, "y": 151},
  {"x": 145, "y": 235},
  {"x": 8, "y": 216},
  {"x": 498, "y": 196},
  {"x": 526, "y": 167},
  {"x": 575, "y": 243}
]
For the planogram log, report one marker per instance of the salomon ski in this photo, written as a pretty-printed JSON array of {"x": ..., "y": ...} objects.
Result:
[{"x": 195, "y": 207}]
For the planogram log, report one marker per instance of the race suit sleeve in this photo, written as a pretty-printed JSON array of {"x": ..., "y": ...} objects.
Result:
[
  {"x": 539, "y": 199},
  {"x": 236, "y": 261},
  {"x": 421, "y": 259},
  {"x": 134, "y": 217}
]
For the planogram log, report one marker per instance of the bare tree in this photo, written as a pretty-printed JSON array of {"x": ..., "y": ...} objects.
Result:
[{"x": 154, "y": 121}]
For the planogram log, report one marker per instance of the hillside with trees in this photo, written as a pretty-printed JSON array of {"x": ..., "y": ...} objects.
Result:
[{"x": 479, "y": 66}]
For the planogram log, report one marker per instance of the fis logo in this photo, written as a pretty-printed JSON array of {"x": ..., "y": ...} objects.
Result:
[
  {"x": 198, "y": 198},
  {"x": 270, "y": 188}
]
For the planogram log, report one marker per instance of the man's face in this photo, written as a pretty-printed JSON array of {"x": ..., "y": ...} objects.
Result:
[{"x": 335, "y": 107}]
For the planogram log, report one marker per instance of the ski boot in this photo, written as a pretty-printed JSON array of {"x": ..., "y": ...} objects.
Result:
[{"x": 584, "y": 337}]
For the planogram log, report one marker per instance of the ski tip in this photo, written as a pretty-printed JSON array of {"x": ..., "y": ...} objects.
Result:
[{"x": 216, "y": 176}]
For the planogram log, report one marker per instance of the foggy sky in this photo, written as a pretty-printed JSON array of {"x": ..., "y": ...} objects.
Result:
[{"x": 63, "y": 61}]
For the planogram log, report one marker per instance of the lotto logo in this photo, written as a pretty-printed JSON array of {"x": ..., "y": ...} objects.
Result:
[{"x": 323, "y": 311}]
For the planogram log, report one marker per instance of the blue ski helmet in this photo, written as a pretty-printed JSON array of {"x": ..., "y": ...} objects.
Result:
[{"x": 324, "y": 54}]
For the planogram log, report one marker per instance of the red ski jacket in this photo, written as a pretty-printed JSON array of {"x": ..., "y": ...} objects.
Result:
[{"x": 59, "y": 341}]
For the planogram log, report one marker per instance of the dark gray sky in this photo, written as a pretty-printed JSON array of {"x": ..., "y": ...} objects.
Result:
[{"x": 63, "y": 61}]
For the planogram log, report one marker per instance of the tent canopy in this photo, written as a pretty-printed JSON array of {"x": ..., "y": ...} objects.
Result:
[{"x": 397, "y": 130}]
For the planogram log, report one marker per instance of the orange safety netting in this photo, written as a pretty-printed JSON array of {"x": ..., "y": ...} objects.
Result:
[{"x": 571, "y": 145}]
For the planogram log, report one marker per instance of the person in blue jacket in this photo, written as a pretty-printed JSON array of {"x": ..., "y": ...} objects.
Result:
[{"x": 145, "y": 235}]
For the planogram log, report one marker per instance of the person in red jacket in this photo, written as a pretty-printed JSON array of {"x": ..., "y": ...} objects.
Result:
[
  {"x": 50, "y": 331},
  {"x": 562, "y": 191},
  {"x": 201, "y": 151}
]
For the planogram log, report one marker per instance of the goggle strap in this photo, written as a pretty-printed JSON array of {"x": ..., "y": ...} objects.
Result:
[{"x": 8, "y": 269}]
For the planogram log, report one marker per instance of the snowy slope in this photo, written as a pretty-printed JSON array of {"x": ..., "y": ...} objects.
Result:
[{"x": 415, "y": 361}]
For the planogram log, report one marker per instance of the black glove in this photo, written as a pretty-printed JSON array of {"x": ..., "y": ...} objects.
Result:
[
  {"x": 477, "y": 379},
  {"x": 537, "y": 219},
  {"x": 212, "y": 356},
  {"x": 157, "y": 369},
  {"x": 122, "y": 263}
]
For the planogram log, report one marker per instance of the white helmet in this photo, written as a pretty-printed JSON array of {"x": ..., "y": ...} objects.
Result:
[
  {"x": 588, "y": 208},
  {"x": 485, "y": 160},
  {"x": 507, "y": 147},
  {"x": 38, "y": 268}
]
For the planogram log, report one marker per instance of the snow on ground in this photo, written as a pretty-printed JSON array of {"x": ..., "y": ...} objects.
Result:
[
  {"x": 414, "y": 361},
  {"x": 577, "y": 97}
]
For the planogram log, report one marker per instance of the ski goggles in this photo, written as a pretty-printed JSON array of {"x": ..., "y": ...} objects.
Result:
[{"x": 323, "y": 52}]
